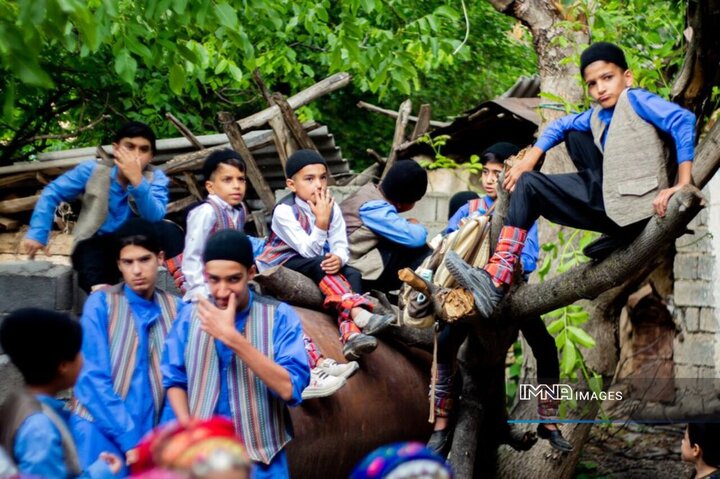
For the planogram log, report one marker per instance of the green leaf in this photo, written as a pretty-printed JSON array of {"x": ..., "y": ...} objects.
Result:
[
  {"x": 9, "y": 102},
  {"x": 569, "y": 357},
  {"x": 448, "y": 12},
  {"x": 227, "y": 15},
  {"x": 177, "y": 79},
  {"x": 125, "y": 66},
  {"x": 368, "y": 5},
  {"x": 556, "y": 326},
  {"x": 581, "y": 337}
]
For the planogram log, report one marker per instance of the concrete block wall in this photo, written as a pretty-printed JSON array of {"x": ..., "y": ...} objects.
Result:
[{"x": 696, "y": 291}]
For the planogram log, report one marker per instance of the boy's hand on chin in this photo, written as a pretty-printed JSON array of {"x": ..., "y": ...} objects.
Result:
[
  {"x": 218, "y": 323},
  {"x": 322, "y": 208}
]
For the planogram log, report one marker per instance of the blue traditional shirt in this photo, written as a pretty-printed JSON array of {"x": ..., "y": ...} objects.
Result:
[
  {"x": 38, "y": 446},
  {"x": 289, "y": 353},
  {"x": 151, "y": 199},
  {"x": 118, "y": 424},
  {"x": 383, "y": 219},
  {"x": 531, "y": 249},
  {"x": 666, "y": 116}
]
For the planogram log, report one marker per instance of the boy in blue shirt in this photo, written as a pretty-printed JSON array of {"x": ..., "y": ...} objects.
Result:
[
  {"x": 622, "y": 179},
  {"x": 381, "y": 241},
  {"x": 119, "y": 395},
  {"x": 106, "y": 192},
  {"x": 240, "y": 356},
  {"x": 45, "y": 347}
]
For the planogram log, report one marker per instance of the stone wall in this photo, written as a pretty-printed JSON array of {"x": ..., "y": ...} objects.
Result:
[{"x": 697, "y": 289}]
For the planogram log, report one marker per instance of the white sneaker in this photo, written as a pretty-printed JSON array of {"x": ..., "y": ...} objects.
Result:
[
  {"x": 339, "y": 370},
  {"x": 322, "y": 384}
]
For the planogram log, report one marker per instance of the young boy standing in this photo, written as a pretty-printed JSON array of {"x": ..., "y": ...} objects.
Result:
[
  {"x": 533, "y": 329},
  {"x": 106, "y": 192},
  {"x": 381, "y": 241},
  {"x": 308, "y": 236},
  {"x": 45, "y": 347},
  {"x": 225, "y": 181},
  {"x": 701, "y": 447},
  {"x": 622, "y": 179},
  {"x": 242, "y": 357},
  {"x": 119, "y": 395}
]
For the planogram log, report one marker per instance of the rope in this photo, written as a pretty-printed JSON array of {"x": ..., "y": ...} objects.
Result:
[{"x": 434, "y": 372}]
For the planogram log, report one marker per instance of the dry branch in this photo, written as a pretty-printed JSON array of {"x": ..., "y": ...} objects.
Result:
[
  {"x": 399, "y": 136},
  {"x": 393, "y": 114}
]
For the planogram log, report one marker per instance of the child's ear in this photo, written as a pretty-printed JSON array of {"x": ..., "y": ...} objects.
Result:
[
  {"x": 161, "y": 258},
  {"x": 209, "y": 186},
  {"x": 628, "y": 75},
  {"x": 252, "y": 271},
  {"x": 290, "y": 183}
]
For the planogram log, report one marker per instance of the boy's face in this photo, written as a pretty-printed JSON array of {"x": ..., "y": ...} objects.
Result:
[
  {"x": 139, "y": 146},
  {"x": 308, "y": 181},
  {"x": 606, "y": 81},
  {"x": 228, "y": 183},
  {"x": 70, "y": 370},
  {"x": 139, "y": 269},
  {"x": 225, "y": 277},
  {"x": 490, "y": 176},
  {"x": 688, "y": 452}
]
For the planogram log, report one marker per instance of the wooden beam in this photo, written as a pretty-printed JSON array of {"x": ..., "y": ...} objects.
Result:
[
  {"x": 319, "y": 89},
  {"x": 8, "y": 224},
  {"x": 181, "y": 204},
  {"x": 185, "y": 131},
  {"x": 394, "y": 114},
  {"x": 192, "y": 185},
  {"x": 399, "y": 136},
  {"x": 19, "y": 204},
  {"x": 291, "y": 120},
  {"x": 17, "y": 178},
  {"x": 423, "y": 122},
  {"x": 232, "y": 130},
  {"x": 284, "y": 144}
]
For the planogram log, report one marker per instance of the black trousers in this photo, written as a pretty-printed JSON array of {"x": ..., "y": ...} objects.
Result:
[
  {"x": 95, "y": 261},
  {"x": 310, "y": 267},
  {"x": 569, "y": 199},
  {"x": 395, "y": 257}
]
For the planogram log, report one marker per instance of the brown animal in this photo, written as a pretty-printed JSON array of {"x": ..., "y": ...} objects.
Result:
[{"x": 385, "y": 401}]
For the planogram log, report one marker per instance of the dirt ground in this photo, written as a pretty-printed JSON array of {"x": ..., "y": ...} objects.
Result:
[{"x": 633, "y": 451}]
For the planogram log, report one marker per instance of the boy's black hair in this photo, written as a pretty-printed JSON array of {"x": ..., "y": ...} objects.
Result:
[
  {"x": 602, "y": 51},
  {"x": 227, "y": 157},
  {"x": 38, "y": 340},
  {"x": 405, "y": 182},
  {"x": 134, "y": 129},
  {"x": 138, "y": 232},
  {"x": 706, "y": 436},
  {"x": 499, "y": 152}
]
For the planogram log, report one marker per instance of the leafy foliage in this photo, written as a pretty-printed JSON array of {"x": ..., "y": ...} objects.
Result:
[{"x": 442, "y": 161}]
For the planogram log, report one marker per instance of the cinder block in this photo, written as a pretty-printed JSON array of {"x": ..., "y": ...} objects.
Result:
[
  {"x": 697, "y": 349},
  {"x": 424, "y": 210},
  {"x": 700, "y": 242},
  {"x": 691, "y": 319},
  {"x": 694, "y": 293},
  {"x": 37, "y": 284},
  {"x": 706, "y": 268},
  {"x": 10, "y": 378},
  {"x": 686, "y": 371},
  {"x": 707, "y": 373},
  {"x": 686, "y": 266},
  {"x": 700, "y": 220},
  {"x": 708, "y": 321}
]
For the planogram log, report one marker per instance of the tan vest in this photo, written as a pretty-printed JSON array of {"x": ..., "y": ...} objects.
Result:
[
  {"x": 362, "y": 241},
  {"x": 94, "y": 201},
  {"x": 635, "y": 163}
]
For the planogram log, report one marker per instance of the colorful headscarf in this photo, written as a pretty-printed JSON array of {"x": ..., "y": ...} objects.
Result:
[{"x": 403, "y": 460}]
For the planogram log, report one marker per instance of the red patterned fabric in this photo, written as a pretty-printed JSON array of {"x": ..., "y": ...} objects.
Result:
[
  {"x": 507, "y": 252},
  {"x": 312, "y": 351},
  {"x": 174, "y": 267},
  {"x": 340, "y": 296}
]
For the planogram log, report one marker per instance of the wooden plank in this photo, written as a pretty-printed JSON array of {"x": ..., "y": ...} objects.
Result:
[
  {"x": 319, "y": 89},
  {"x": 260, "y": 223},
  {"x": 17, "y": 178},
  {"x": 232, "y": 130},
  {"x": 185, "y": 131},
  {"x": 394, "y": 114},
  {"x": 423, "y": 122},
  {"x": 19, "y": 204},
  {"x": 293, "y": 124},
  {"x": 9, "y": 224},
  {"x": 192, "y": 185},
  {"x": 399, "y": 136},
  {"x": 180, "y": 204},
  {"x": 284, "y": 145}
]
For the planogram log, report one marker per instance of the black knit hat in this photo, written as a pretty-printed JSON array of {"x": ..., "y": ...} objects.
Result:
[
  {"x": 458, "y": 200},
  {"x": 406, "y": 182},
  {"x": 228, "y": 156},
  {"x": 140, "y": 232},
  {"x": 230, "y": 245},
  {"x": 499, "y": 152},
  {"x": 38, "y": 340},
  {"x": 300, "y": 159},
  {"x": 602, "y": 51}
]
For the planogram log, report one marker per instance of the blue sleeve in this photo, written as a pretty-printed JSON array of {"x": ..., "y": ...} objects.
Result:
[
  {"x": 258, "y": 245},
  {"x": 460, "y": 214},
  {"x": 669, "y": 118},
  {"x": 531, "y": 250},
  {"x": 383, "y": 219},
  {"x": 151, "y": 198},
  {"x": 38, "y": 448},
  {"x": 66, "y": 187},
  {"x": 173, "y": 358},
  {"x": 98, "y": 470},
  {"x": 555, "y": 132},
  {"x": 290, "y": 350},
  {"x": 94, "y": 388}
]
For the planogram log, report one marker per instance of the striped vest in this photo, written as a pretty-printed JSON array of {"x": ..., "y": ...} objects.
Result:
[
  {"x": 123, "y": 342},
  {"x": 223, "y": 220},
  {"x": 475, "y": 204},
  {"x": 276, "y": 251},
  {"x": 260, "y": 418}
]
